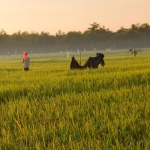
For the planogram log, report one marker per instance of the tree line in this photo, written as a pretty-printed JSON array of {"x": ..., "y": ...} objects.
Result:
[{"x": 95, "y": 37}]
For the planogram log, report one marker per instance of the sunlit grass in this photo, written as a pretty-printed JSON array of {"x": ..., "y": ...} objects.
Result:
[{"x": 53, "y": 107}]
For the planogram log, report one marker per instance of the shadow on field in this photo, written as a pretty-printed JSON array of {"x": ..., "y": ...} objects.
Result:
[
  {"x": 9, "y": 95},
  {"x": 30, "y": 94}
]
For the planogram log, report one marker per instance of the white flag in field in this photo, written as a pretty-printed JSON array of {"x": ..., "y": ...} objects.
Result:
[
  {"x": 78, "y": 51},
  {"x": 67, "y": 54}
]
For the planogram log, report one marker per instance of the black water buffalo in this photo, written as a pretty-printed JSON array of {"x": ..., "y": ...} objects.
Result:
[
  {"x": 75, "y": 65},
  {"x": 100, "y": 55},
  {"x": 92, "y": 62}
]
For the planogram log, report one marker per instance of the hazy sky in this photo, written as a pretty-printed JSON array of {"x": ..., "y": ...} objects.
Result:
[{"x": 71, "y": 15}]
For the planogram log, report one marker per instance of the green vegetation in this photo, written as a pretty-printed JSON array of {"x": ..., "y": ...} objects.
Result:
[
  {"x": 94, "y": 37},
  {"x": 52, "y": 107}
]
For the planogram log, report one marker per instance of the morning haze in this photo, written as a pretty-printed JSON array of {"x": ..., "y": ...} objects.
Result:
[{"x": 39, "y": 26}]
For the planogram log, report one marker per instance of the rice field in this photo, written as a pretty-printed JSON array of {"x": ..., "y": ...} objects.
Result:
[{"x": 54, "y": 108}]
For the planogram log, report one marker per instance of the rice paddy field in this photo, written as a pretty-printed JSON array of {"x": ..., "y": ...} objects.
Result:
[{"x": 54, "y": 108}]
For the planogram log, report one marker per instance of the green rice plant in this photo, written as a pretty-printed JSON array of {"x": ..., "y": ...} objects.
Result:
[{"x": 53, "y": 107}]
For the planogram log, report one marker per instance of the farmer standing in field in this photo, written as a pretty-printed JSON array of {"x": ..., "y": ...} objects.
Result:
[
  {"x": 134, "y": 52},
  {"x": 26, "y": 61}
]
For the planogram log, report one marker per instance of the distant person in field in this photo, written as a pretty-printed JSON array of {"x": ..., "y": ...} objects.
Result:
[
  {"x": 134, "y": 52},
  {"x": 26, "y": 61}
]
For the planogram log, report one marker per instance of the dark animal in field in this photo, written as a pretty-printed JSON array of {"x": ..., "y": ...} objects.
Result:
[
  {"x": 75, "y": 65},
  {"x": 92, "y": 62},
  {"x": 131, "y": 51},
  {"x": 100, "y": 55}
]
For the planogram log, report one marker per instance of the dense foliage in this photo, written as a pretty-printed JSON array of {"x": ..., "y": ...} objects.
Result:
[{"x": 95, "y": 37}]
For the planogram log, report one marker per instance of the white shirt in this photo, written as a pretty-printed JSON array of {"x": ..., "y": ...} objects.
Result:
[{"x": 26, "y": 63}]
